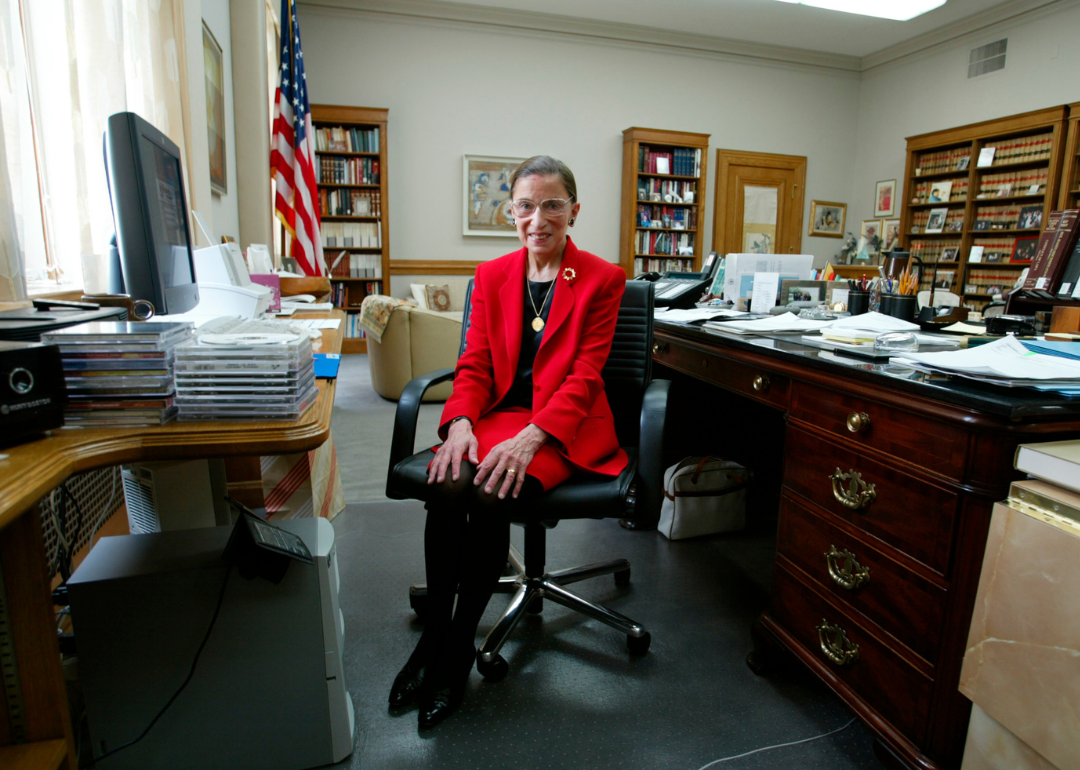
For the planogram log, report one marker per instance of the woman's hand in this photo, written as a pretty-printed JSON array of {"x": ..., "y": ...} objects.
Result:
[
  {"x": 460, "y": 442},
  {"x": 514, "y": 454}
]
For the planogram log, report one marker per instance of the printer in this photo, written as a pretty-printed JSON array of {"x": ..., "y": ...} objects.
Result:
[{"x": 225, "y": 284}]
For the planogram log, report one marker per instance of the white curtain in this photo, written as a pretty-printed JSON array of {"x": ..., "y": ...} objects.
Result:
[{"x": 84, "y": 60}]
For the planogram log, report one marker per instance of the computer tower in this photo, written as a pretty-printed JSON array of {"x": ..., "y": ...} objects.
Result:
[
  {"x": 269, "y": 689},
  {"x": 168, "y": 495}
]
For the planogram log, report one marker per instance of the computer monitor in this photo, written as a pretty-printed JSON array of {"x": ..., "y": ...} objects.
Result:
[{"x": 150, "y": 213}]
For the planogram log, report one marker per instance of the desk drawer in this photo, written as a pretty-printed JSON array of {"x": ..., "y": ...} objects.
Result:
[
  {"x": 891, "y": 686},
  {"x": 928, "y": 443},
  {"x": 904, "y": 604},
  {"x": 752, "y": 381},
  {"x": 912, "y": 514}
]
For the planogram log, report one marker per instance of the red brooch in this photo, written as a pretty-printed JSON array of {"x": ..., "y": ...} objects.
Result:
[{"x": 569, "y": 274}]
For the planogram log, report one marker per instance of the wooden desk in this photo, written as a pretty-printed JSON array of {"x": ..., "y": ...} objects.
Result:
[
  {"x": 31, "y": 469},
  {"x": 874, "y": 585}
]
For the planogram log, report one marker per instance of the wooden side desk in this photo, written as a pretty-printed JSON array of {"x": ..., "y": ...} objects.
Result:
[
  {"x": 888, "y": 481},
  {"x": 31, "y": 469}
]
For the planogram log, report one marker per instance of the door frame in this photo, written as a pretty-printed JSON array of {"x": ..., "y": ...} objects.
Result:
[{"x": 725, "y": 159}]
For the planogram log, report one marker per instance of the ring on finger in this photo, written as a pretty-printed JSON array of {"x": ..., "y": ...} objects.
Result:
[{"x": 511, "y": 471}]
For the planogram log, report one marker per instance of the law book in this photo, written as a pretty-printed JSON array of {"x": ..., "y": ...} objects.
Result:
[
  {"x": 1067, "y": 232},
  {"x": 1046, "y": 243},
  {"x": 1070, "y": 279},
  {"x": 1057, "y": 462}
]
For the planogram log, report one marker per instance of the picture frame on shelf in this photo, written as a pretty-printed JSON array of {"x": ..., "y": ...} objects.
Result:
[
  {"x": 885, "y": 198},
  {"x": 214, "y": 73},
  {"x": 976, "y": 255},
  {"x": 1005, "y": 190},
  {"x": 1030, "y": 218},
  {"x": 963, "y": 163},
  {"x": 970, "y": 288},
  {"x": 890, "y": 234},
  {"x": 827, "y": 219},
  {"x": 949, "y": 254},
  {"x": 486, "y": 202},
  {"x": 936, "y": 222},
  {"x": 1024, "y": 250},
  {"x": 944, "y": 279},
  {"x": 993, "y": 256},
  {"x": 940, "y": 191},
  {"x": 993, "y": 290},
  {"x": 871, "y": 235}
]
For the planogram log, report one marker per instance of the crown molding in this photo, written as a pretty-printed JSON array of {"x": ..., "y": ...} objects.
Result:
[
  {"x": 980, "y": 23},
  {"x": 533, "y": 22}
]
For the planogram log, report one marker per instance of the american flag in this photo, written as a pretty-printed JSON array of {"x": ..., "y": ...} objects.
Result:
[{"x": 292, "y": 157}]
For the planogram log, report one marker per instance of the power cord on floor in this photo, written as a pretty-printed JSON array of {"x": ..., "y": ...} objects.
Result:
[
  {"x": 176, "y": 694},
  {"x": 780, "y": 745}
]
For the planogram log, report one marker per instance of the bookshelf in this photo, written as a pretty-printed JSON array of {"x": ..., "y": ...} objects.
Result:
[
  {"x": 351, "y": 170},
  {"x": 1070, "y": 175},
  {"x": 657, "y": 220},
  {"x": 991, "y": 207}
]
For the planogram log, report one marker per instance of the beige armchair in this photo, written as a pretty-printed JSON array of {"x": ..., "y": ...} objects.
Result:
[{"x": 416, "y": 341}]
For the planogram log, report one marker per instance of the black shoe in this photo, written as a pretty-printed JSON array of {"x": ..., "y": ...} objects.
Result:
[
  {"x": 407, "y": 685},
  {"x": 441, "y": 704},
  {"x": 446, "y": 688}
]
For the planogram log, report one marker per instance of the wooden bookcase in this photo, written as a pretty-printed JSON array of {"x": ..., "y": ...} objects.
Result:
[
  {"x": 981, "y": 210},
  {"x": 1070, "y": 174},
  {"x": 661, "y": 195},
  {"x": 355, "y": 208}
]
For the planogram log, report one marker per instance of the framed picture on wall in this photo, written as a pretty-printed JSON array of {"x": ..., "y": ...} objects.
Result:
[
  {"x": 214, "y": 70},
  {"x": 827, "y": 219},
  {"x": 486, "y": 203},
  {"x": 871, "y": 233},
  {"x": 885, "y": 198},
  {"x": 890, "y": 234}
]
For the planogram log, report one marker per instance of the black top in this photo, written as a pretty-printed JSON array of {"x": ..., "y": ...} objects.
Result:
[{"x": 521, "y": 391}]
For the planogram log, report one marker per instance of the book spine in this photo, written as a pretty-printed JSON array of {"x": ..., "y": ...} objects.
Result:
[
  {"x": 1067, "y": 232},
  {"x": 1046, "y": 242}
]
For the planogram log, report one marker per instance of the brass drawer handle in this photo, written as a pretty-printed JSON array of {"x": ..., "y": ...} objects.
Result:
[
  {"x": 859, "y": 493},
  {"x": 857, "y": 421},
  {"x": 845, "y": 571},
  {"x": 761, "y": 383},
  {"x": 659, "y": 347},
  {"x": 835, "y": 644}
]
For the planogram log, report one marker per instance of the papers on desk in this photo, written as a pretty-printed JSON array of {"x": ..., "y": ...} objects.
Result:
[
  {"x": 696, "y": 314},
  {"x": 777, "y": 324},
  {"x": 306, "y": 306},
  {"x": 874, "y": 322},
  {"x": 316, "y": 323},
  {"x": 1002, "y": 362},
  {"x": 965, "y": 328}
]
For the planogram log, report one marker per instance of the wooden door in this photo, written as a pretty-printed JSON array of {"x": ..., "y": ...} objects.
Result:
[{"x": 759, "y": 203}]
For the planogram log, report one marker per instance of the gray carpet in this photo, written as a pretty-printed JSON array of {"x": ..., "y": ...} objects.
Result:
[{"x": 574, "y": 698}]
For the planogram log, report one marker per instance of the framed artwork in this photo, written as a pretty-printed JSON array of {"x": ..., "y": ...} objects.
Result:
[
  {"x": 943, "y": 279},
  {"x": 940, "y": 191},
  {"x": 827, "y": 219},
  {"x": 214, "y": 70},
  {"x": 993, "y": 290},
  {"x": 486, "y": 208},
  {"x": 885, "y": 198},
  {"x": 890, "y": 234},
  {"x": 949, "y": 254},
  {"x": 871, "y": 233},
  {"x": 962, "y": 164},
  {"x": 1024, "y": 249},
  {"x": 1030, "y": 218},
  {"x": 936, "y": 223}
]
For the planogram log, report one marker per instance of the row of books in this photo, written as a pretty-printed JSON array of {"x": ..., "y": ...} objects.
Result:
[
  {"x": 347, "y": 265},
  {"x": 1029, "y": 182},
  {"x": 673, "y": 244},
  {"x": 945, "y": 191},
  {"x": 350, "y": 203},
  {"x": 937, "y": 221},
  {"x": 934, "y": 250},
  {"x": 674, "y": 217},
  {"x": 943, "y": 160},
  {"x": 653, "y": 265},
  {"x": 348, "y": 171},
  {"x": 667, "y": 191},
  {"x": 357, "y": 235},
  {"x": 988, "y": 281},
  {"x": 351, "y": 295},
  {"x": 341, "y": 139},
  {"x": 1055, "y": 268},
  {"x": 1000, "y": 250},
  {"x": 680, "y": 161},
  {"x": 1015, "y": 217},
  {"x": 353, "y": 328},
  {"x": 1021, "y": 149}
]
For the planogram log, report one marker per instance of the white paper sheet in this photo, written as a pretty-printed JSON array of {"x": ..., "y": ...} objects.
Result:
[
  {"x": 786, "y": 322},
  {"x": 766, "y": 287},
  {"x": 1005, "y": 359},
  {"x": 697, "y": 313},
  {"x": 964, "y": 328},
  {"x": 875, "y": 322}
]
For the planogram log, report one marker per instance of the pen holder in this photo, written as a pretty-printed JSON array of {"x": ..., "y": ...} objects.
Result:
[
  {"x": 900, "y": 306},
  {"x": 858, "y": 302}
]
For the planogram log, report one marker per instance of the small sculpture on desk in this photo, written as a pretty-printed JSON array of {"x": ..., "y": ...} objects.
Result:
[{"x": 847, "y": 254}]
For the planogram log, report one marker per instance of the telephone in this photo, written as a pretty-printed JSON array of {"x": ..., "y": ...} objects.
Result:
[
  {"x": 260, "y": 549},
  {"x": 682, "y": 290}
]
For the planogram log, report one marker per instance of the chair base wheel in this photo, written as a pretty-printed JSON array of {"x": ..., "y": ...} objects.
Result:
[
  {"x": 495, "y": 671},
  {"x": 419, "y": 604},
  {"x": 622, "y": 578},
  {"x": 638, "y": 645}
]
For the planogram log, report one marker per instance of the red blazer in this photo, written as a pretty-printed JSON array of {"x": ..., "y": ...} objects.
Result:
[{"x": 569, "y": 402}]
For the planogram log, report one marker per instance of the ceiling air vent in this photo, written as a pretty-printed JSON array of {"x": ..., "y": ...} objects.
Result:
[{"x": 987, "y": 58}]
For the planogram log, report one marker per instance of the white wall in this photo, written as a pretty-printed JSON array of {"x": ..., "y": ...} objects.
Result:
[
  {"x": 453, "y": 89},
  {"x": 930, "y": 91}
]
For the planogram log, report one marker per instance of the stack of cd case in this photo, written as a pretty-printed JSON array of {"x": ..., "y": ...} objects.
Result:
[
  {"x": 119, "y": 373},
  {"x": 245, "y": 377}
]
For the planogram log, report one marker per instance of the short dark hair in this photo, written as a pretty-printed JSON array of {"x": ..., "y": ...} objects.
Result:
[{"x": 545, "y": 165}]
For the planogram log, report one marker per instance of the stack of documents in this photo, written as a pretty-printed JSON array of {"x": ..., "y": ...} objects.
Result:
[
  {"x": 1002, "y": 362},
  {"x": 777, "y": 324}
]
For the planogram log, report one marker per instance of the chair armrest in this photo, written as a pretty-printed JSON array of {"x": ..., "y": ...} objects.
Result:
[
  {"x": 408, "y": 411},
  {"x": 650, "y": 492}
]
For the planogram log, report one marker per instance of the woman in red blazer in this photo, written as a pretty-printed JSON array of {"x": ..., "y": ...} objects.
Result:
[{"x": 528, "y": 410}]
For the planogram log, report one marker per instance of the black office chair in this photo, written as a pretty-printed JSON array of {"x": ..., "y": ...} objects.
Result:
[{"x": 639, "y": 405}]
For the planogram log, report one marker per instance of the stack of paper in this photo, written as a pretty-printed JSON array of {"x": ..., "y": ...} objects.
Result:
[
  {"x": 785, "y": 323},
  {"x": 1002, "y": 362}
]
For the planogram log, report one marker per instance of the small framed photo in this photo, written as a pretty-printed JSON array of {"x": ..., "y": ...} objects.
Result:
[
  {"x": 993, "y": 256},
  {"x": 890, "y": 234},
  {"x": 943, "y": 279},
  {"x": 936, "y": 223},
  {"x": 949, "y": 254},
  {"x": 885, "y": 198},
  {"x": 940, "y": 192},
  {"x": 871, "y": 233},
  {"x": 970, "y": 288},
  {"x": 827, "y": 219},
  {"x": 1005, "y": 190},
  {"x": 1030, "y": 218},
  {"x": 963, "y": 163},
  {"x": 1024, "y": 250},
  {"x": 993, "y": 290},
  {"x": 487, "y": 195}
]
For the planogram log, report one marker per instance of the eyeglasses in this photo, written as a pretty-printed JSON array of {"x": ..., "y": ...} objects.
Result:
[{"x": 552, "y": 207}]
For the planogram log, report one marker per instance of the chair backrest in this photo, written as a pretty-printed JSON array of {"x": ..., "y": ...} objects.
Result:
[{"x": 628, "y": 369}]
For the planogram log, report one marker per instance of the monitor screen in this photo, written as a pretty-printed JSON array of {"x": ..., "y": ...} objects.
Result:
[{"x": 175, "y": 265}]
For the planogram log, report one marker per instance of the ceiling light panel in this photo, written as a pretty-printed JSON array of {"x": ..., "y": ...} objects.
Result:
[{"x": 897, "y": 10}]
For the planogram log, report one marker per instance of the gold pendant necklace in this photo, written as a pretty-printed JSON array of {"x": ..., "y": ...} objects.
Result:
[{"x": 538, "y": 322}]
